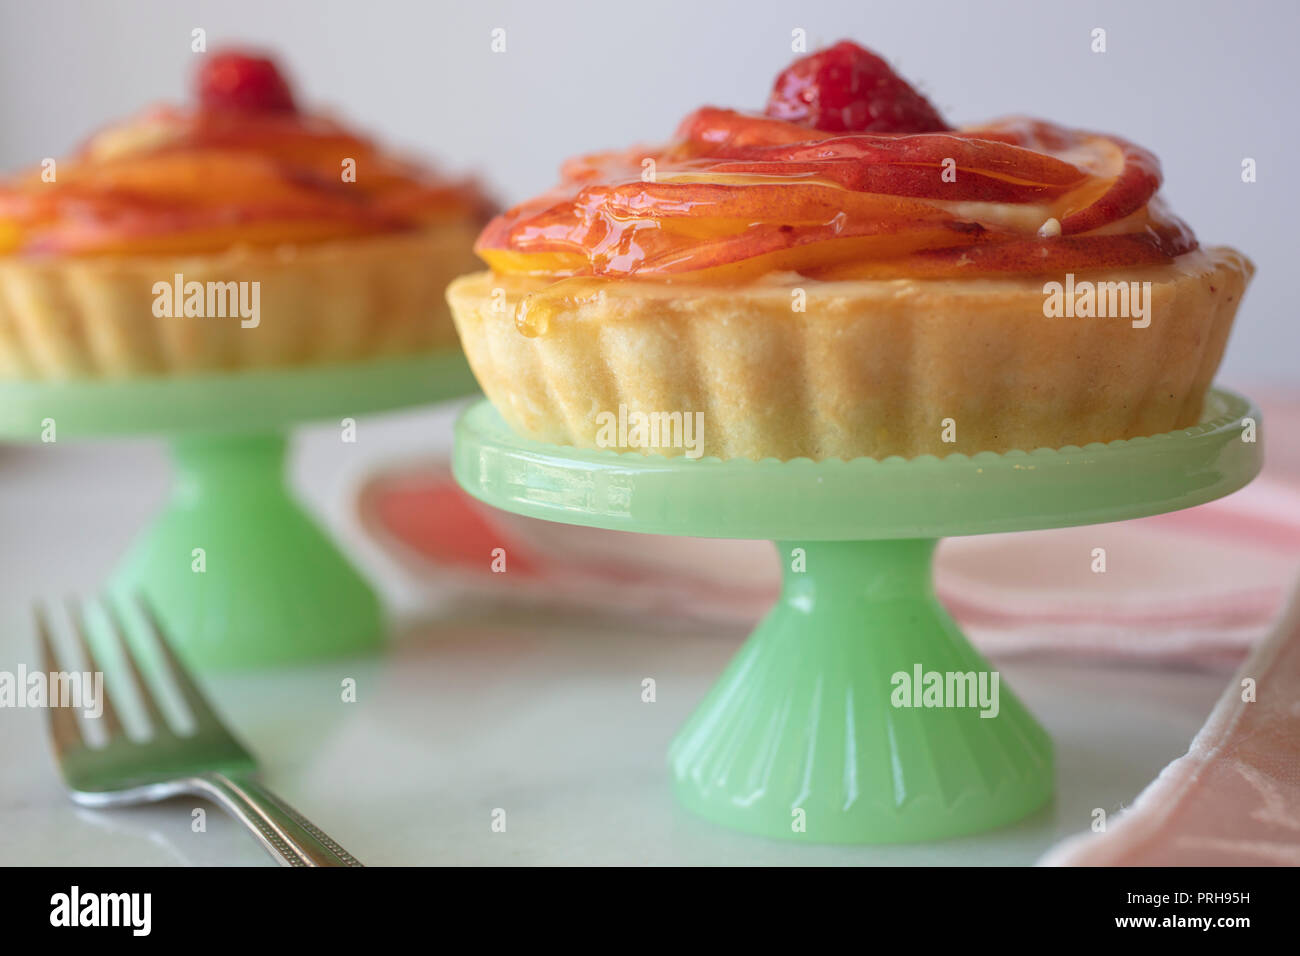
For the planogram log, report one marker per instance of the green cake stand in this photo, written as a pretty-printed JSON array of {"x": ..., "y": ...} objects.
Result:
[
  {"x": 236, "y": 570},
  {"x": 820, "y": 729}
]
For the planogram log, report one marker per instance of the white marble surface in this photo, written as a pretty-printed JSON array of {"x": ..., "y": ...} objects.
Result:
[{"x": 474, "y": 707}]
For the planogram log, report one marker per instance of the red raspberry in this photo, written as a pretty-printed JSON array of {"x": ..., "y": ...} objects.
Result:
[
  {"x": 848, "y": 89},
  {"x": 236, "y": 80}
]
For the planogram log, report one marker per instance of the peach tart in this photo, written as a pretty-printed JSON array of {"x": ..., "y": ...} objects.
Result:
[
  {"x": 846, "y": 275},
  {"x": 236, "y": 232}
]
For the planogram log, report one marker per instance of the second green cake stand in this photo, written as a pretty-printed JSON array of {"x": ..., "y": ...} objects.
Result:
[
  {"x": 820, "y": 729},
  {"x": 236, "y": 570}
]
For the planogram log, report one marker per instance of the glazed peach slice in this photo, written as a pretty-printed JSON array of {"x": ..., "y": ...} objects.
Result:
[{"x": 701, "y": 226}]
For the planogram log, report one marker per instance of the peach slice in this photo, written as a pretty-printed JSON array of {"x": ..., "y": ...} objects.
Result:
[{"x": 736, "y": 187}]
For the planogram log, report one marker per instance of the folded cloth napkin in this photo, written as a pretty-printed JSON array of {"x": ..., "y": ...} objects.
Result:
[
  {"x": 1234, "y": 798},
  {"x": 1200, "y": 585}
]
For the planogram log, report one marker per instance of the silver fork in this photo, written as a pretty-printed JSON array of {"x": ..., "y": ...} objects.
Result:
[{"x": 209, "y": 762}]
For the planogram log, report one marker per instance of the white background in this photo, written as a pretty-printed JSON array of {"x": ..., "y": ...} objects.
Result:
[{"x": 1203, "y": 84}]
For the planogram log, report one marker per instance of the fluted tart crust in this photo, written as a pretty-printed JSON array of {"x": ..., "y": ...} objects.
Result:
[
  {"x": 94, "y": 317},
  {"x": 868, "y": 368}
]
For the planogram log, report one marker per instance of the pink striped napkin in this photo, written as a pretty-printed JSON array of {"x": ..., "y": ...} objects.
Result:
[
  {"x": 1234, "y": 799},
  {"x": 1200, "y": 585}
]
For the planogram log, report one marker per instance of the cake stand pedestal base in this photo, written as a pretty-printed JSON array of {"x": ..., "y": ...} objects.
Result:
[
  {"x": 823, "y": 727},
  {"x": 848, "y": 716},
  {"x": 239, "y": 568},
  {"x": 238, "y": 573}
]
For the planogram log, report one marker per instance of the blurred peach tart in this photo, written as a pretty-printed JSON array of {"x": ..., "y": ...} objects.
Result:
[
  {"x": 847, "y": 275},
  {"x": 236, "y": 232}
]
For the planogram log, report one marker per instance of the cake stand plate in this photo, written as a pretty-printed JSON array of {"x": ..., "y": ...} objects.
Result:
[
  {"x": 236, "y": 570},
  {"x": 828, "y": 725}
]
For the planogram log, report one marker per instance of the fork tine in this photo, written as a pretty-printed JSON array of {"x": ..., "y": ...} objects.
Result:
[
  {"x": 200, "y": 709},
  {"x": 112, "y": 724},
  {"x": 147, "y": 700},
  {"x": 65, "y": 732}
]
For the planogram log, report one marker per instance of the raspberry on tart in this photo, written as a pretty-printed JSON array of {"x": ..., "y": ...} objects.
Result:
[
  {"x": 848, "y": 89},
  {"x": 239, "y": 80}
]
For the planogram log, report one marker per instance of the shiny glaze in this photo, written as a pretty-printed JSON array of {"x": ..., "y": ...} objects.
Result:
[{"x": 736, "y": 196}]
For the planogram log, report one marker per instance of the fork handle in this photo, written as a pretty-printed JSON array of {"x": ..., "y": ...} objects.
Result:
[{"x": 287, "y": 835}]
